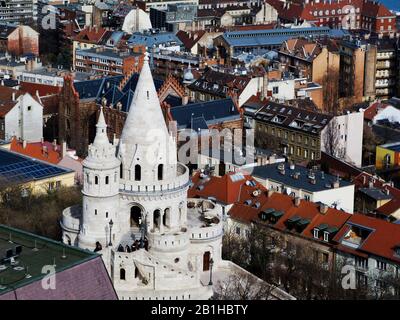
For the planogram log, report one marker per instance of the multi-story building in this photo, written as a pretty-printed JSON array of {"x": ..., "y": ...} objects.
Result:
[
  {"x": 302, "y": 134},
  {"x": 146, "y": 5},
  {"x": 367, "y": 15},
  {"x": 107, "y": 61},
  {"x": 318, "y": 62},
  {"x": 175, "y": 17},
  {"x": 233, "y": 43},
  {"x": 18, "y": 11},
  {"x": 19, "y": 40},
  {"x": 308, "y": 184},
  {"x": 164, "y": 62}
]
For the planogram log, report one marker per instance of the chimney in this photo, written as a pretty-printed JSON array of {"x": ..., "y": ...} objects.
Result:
[
  {"x": 313, "y": 181},
  {"x": 270, "y": 192},
  {"x": 387, "y": 191},
  {"x": 370, "y": 183},
  {"x": 13, "y": 96},
  {"x": 185, "y": 100},
  {"x": 24, "y": 143},
  {"x": 297, "y": 201},
  {"x": 41, "y": 140},
  {"x": 63, "y": 149},
  {"x": 336, "y": 184},
  {"x": 44, "y": 149},
  {"x": 323, "y": 208},
  {"x": 54, "y": 145},
  {"x": 292, "y": 166}
]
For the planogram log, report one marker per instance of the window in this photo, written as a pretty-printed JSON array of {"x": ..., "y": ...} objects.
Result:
[
  {"x": 107, "y": 179},
  {"x": 121, "y": 171},
  {"x": 138, "y": 173},
  {"x": 122, "y": 274},
  {"x": 275, "y": 90},
  {"x": 238, "y": 231},
  {"x": 96, "y": 180},
  {"x": 160, "y": 171},
  {"x": 95, "y": 212},
  {"x": 29, "y": 108},
  {"x": 361, "y": 262},
  {"x": 326, "y": 236},
  {"x": 325, "y": 257},
  {"x": 316, "y": 231},
  {"x": 381, "y": 265}
]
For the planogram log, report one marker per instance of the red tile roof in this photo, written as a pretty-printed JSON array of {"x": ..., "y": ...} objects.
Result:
[
  {"x": 42, "y": 89},
  {"x": 373, "y": 110},
  {"x": 90, "y": 35},
  {"x": 35, "y": 150},
  {"x": 382, "y": 240}
]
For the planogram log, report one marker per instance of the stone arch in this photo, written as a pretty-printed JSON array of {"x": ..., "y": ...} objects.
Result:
[
  {"x": 167, "y": 217},
  {"x": 136, "y": 213},
  {"x": 157, "y": 219}
]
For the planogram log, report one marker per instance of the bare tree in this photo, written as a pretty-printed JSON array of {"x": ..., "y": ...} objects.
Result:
[
  {"x": 331, "y": 140},
  {"x": 243, "y": 286}
]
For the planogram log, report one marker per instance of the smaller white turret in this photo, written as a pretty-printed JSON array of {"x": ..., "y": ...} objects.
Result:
[{"x": 100, "y": 188}]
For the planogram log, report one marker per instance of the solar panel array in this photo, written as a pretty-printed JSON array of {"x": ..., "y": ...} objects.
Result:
[{"x": 28, "y": 170}]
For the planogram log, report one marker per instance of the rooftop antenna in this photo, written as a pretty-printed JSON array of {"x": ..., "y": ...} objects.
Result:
[
  {"x": 35, "y": 248},
  {"x": 10, "y": 238},
  {"x": 27, "y": 275},
  {"x": 63, "y": 255},
  {"x": 54, "y": 261}
]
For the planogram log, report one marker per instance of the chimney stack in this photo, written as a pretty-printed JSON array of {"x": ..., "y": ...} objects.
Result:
[
  {"x": 54, "y": 145},
  {"x": 270, "y": 192},
  {"x": 297, "y": 201},
  {"x": 63, "y": 149},
  {"x": 323, "y": 208},
  {"x": 24, "y": 143}
]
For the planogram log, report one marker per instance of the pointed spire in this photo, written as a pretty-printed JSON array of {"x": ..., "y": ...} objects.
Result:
[
  {"x": 145, "y": 112},
  {"x": 101, "y": 131}
]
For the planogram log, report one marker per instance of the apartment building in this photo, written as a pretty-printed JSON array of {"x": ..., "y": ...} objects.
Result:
[{"x": 18, "y": 11}]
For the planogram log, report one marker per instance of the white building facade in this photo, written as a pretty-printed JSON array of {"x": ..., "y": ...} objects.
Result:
[{"x": 138, "y": 190}]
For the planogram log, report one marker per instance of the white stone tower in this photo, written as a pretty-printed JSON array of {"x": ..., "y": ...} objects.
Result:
[
  {"x": 100, "y": 189},
  {"x": 154, "y": 183}
]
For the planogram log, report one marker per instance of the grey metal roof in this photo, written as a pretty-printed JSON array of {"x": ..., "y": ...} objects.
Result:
[
  {"x": 375, "y": 193},
  {"x": 323, "y": 181}
]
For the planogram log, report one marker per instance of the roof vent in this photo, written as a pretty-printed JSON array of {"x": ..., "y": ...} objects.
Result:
[{"x": 256, "y": 193}]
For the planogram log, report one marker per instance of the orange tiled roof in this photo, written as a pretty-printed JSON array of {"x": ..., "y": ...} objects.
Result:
[{"x": 35, "y": 150}]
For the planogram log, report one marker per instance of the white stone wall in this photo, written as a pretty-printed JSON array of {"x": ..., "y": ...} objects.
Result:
[
  {"x": 343, "y": 197},
  {"x": 25, "y": 120}
]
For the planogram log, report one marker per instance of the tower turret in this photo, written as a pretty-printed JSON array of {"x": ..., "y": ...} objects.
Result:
[{"x": 100, "y": 188}]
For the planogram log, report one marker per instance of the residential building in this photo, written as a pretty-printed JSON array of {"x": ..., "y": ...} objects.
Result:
[
  {"x": 232, "y": 43},
  {"x": 214, "y": 85},
  {"x": 146, "y": 5},
  {"x": 318, "y": 62},
  {"x": 18, "y": 11},
  {"x": 366, "y": 15},
  {"x": 309, "y": 184},
  {"x": 21, "y": 116},
  {"x": 387, "y": 155},
  {"x": 107, "y": 61},
  {"x": 19, "y": 40},
  {"x": 32, "y": 175},
  {"x": 176, "y": 17},
  {"x": 157, "y": 40},
  {"x": 80, "y": 274},
  {"x": 301, "y": 134}
]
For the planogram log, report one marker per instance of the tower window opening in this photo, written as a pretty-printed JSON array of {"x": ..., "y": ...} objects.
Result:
[
  {"x": 95, "y": 212},
  {"x": 148, "y": 95},
  {"x": 106, "y": 214},
  {"x": 96, "y": 180},
  {"x": 138, "y": 173},
  {"x": 122, "y": 274},
  {"x": 107, "y": 179},
  {"x": 121, "y": 171},
  {"x": 156, "y": 219},
  {"x": 160, "y": 171}
]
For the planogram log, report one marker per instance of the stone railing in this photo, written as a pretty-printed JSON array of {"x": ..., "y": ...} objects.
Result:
[
  {"x": 181, "y": 181},
  {"x": 71, "y": 218}
]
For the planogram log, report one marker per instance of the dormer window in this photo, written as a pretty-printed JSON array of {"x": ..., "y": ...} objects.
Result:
[
  {"x": 326, "y": 236},
  {"x": 316, "y": 233}
]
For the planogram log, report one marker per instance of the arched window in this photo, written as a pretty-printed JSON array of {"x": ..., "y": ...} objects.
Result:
[
  {"x": 95, "y": 212},
  {"x": 136, "y": 272},
  {"x": 96, "y": 180},
  {"x": 87, "y": 177},
  {"x": 122, "y": 274},
  {"x": 156, "y": 218},
  {"x": 166, "y": 217},
  {"x": 160, "y": 171},
  {"x": 107, "y": 179},
  {"x": 121, "y": 171},
  {"x": 138, "y": 173},
  {"x": 106, "y": 214}
]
